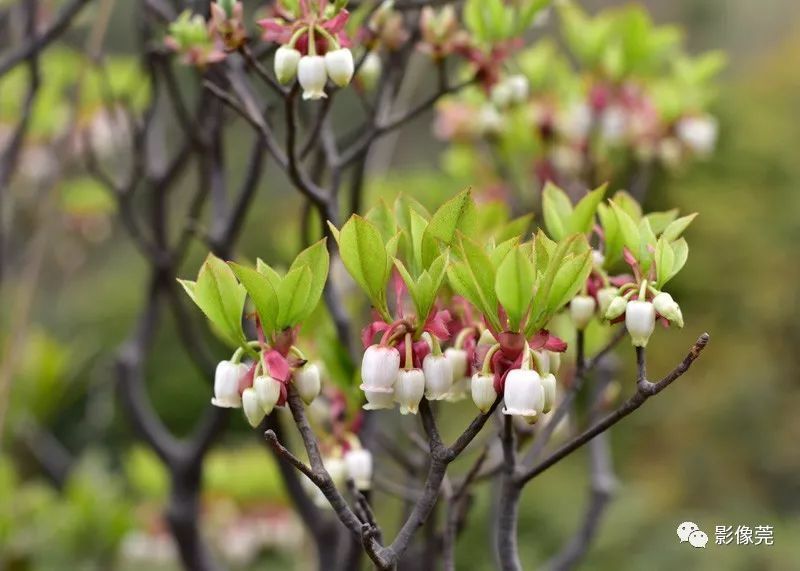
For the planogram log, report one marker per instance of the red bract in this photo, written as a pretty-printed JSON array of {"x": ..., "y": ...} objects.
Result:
[
  {"x": 437, "y": 323},
  {"x": 369, "y": 332},
  {"x": 543, "y": 339},
  {"x": 278, "y": 366}
]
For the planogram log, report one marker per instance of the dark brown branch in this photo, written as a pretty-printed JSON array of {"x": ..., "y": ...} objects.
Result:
[{"x": 645, "y": 390}]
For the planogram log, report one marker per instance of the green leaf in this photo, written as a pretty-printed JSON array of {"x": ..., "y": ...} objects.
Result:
[
  {"x": 364, "y": 255},
  {"x": 499, "y": 253},
  {"x": 676, "y": 228},
  {"x": 383, "y": 218},
  {"x": 612, "y": 234},
  {"x": 628, "y": 229},
  {"x": 681, "y": 250},
  {"x": 293, "y": 295},
  {"x": 660, "y": 220},
  {"x": 557, "y": 210},
  {"x": 628, "y": 204},
  {"x": 514, "y": 285},
  {"x": 582, "y": 217},
  {"x": 569, "y": 280},
  {"x": 664, "y": 258},
  {"x": 261, "y": 292},
  {"x": 457, "y": 214},
  {"x": 221, "y": 298},
  {"x": 317, "y": 259},
  {"x": 517, "y": 228}
]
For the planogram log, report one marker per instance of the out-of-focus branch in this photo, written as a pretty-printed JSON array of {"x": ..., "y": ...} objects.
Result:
[{"x": 37, "y": 43}]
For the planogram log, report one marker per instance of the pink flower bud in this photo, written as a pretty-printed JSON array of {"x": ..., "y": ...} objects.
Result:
[
  {"x": 438, "y": 376},
  {"x": 226, "y": 384},
  {"x": 523, "y": 394},
  {"x": 408, "y": 390}
]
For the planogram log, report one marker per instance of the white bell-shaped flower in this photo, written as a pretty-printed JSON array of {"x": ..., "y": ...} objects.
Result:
[
  {"x": 312, "y": 75},
  {"x": 340, "y": 67},
  {"x": 555, "y": 361},
  {"x": 409, "y": 389},
  {"x": 252, "y": 407},
  {"x": 286, "y": 62},
  {"x": 598, "y": 259},
  {"x": 458, "y": 362},
  {"x": 226, "y": 384},
  {"x": 502, "y": 94},
  {"x": 358, "y": 462},
  {"x": 519, "y": 87},
  {"x": 438, "y": 376},
  {"x": 306, "y": 380},
  {"x": 268, "y": 391},
  {"x": 667, "y": 307},
  {"x": 370, "y": 71},
  {"x": 698, "y": 133},
  {"x": 379, "y": 368},
  {"x": 483, "y": 393},
  {"x": 581, "y": 310},
  {"x": 549, "y": 387},
  {"x": 523, "y": 394},
  {"x": 640, "y": 320},
  {"x": 459, "y": 390}
]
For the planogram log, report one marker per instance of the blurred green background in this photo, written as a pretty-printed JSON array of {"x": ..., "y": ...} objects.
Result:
[{"x": 721, "y": 447}]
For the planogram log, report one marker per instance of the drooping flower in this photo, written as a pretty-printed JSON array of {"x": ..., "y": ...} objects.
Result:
[
  {"x": 640, "y": 320},
  {"x": 307, "y": 382},
  {"x": 268, "y": 391},
  {"x": 379, "y": 368},
  {"x": 227, "y": 378},
  {"x": 370, "y": 71},
  {"x": 312, "y": 75},
  {"x": 523, "y": 394},
  {"x": 340, "y": 67},
  {"x": 409, "y": 390},
  {"x": 286, "y": 62},
  {"x": 483, "y": 393},
  {"x": 438, "y": 376},
  {"x": 581, "y": 309},
  {"x": 669, "y": 308},
  {"x": 358, "y": 462},
  {"x": 616, "y": 308},
  {"x": 549, "y": 386},
  {"x": 698, "y": 133},
  {"x": 604, "y": 298},
  {"x": 252, "y": 407}
]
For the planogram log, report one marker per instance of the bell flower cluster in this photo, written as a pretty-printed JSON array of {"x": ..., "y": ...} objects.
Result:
[{"x": 258, "y": 387}]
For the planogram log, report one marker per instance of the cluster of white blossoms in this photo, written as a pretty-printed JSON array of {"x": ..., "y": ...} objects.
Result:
[
  {"x": 313, "y": 71},
  {"x": 252, "y": 388},
  {"x": 386, "y": 384},
  {"x": 351, "y": 461},
  {"x": 529, "y": 390},
  {"x": 641, "y": 313}
]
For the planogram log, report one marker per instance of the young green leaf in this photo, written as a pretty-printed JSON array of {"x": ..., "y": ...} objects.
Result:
[
  {"x": 317, "y": 259},
  {"x": 261, "y": 292},
  {"x": 457, "y": 214},
  {"x": 293, "y": 295},
  {"x": 582, "y": 217},
  {"x": 664, "y": 259},
  {"x": 569, "y": 280},
  {"x": 364, "y": 255},
  {"x": 676, "y": 228},
  {"x": 557, "y": 210},
  {"x": 681, "y": 250},
  {"x": 220, "y": 297},
  {"x": 514, "y": 285}
]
